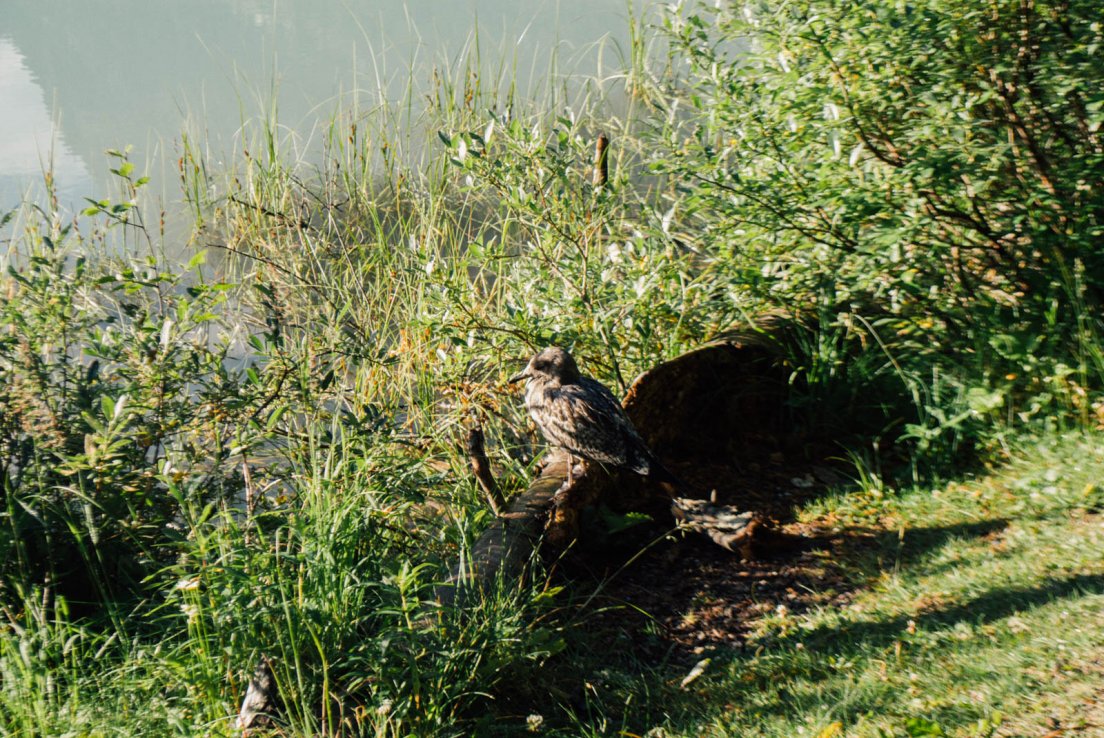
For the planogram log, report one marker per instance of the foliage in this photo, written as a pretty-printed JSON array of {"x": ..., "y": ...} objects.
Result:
[
  {"x": 193, "y": 479},
  {"x": 576, "y": 262},
  {"x": 199, "y": 471},
  {"x": 115, "y": 378},
  {"x": 923, "y": 176}
]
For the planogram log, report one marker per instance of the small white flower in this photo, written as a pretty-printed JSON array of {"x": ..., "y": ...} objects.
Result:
[{"x": 534, "y": 722}]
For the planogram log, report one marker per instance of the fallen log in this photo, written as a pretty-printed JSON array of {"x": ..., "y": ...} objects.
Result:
[{"x": 504, "y": 548}]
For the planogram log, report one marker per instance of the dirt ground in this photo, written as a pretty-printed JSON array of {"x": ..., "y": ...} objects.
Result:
[{"x": 698, "y": 596}]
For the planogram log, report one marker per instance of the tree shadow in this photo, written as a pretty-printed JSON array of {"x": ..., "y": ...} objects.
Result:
[
  {"x": 993, "y": 605},
  {"x": 841, "y": 643},
  {"x": 915, "y": 543},
  {"x": 878, "y": 549}
]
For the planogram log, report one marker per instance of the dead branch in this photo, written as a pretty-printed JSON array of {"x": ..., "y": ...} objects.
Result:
[{"x": 481, "y": 467}]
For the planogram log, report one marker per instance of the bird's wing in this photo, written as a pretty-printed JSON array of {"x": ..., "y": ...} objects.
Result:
[{"x": 587, "y": 420}]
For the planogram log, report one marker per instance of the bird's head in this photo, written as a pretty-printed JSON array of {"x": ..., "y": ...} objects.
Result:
[{"x": 553, "y": 365}]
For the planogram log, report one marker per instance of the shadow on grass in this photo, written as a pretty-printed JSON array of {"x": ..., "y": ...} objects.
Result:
[
  {"x": 919, "y": 542},
  {"x": 877, "y": 549},
  {"x": 993, "y": 605},
  {"x": 771, "y": 687}
]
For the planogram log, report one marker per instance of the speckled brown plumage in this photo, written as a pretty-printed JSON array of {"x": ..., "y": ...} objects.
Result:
[{"x": 581, "y": 416}]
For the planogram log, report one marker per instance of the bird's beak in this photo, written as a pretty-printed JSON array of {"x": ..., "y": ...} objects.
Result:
[{"x": 518, "y": 377}]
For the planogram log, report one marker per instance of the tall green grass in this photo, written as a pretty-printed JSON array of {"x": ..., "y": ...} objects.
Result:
[{"x": 257, "y": 454}]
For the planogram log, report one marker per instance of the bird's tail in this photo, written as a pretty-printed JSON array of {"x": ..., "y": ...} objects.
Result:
[{"x": 661, "y": 475}]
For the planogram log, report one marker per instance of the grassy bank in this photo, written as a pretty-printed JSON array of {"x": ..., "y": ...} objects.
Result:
[
  {"x": 259, "y": 452},
  {"x": 968, "y": 609}
]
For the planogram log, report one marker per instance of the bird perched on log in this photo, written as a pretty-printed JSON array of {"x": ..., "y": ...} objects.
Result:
[{"x": 581, "y": 416}]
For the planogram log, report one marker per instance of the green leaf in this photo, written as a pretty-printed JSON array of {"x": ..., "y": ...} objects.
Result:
[
  {"x": 274, "y": 417},
  {"x": 918, "y": 727},
  {"x": 107, "y": 406},
  {"x": 200, "y": 257}
]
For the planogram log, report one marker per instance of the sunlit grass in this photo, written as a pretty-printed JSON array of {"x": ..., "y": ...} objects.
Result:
[{"x": 976, "y": 609}]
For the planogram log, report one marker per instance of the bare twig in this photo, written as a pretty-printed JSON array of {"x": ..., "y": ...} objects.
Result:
[{"x": 481, "y": 467}]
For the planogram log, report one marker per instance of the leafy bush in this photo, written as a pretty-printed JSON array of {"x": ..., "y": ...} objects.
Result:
[
  {"x": 572, "y": 262},
  {"x": 196, "y": 473},
  {"x": 115, "y": 378},
  {"x": 924, "y": 176}
]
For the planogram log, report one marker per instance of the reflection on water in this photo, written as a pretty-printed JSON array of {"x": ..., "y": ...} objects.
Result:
[
  {"x": 29, "y": 141},
  {"x": 136, "y": 72}
]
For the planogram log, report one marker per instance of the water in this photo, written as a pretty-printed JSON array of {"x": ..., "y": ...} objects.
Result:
[{"x": 77, "y": 78}]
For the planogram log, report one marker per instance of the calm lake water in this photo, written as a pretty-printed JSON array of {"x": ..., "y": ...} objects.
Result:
[{"x": 77, "y": 78}]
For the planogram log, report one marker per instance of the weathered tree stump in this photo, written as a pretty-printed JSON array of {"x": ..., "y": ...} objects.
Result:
[{"x": 724, "y": 400}]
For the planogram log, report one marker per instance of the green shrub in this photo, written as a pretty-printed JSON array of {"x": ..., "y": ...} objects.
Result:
[
  {"x": 923, "y": 176},
  {"x": 115, "y": 377}
]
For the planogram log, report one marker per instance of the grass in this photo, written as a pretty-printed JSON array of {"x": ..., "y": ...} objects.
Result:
[
  {"x": 971, "y": 609},
  {"x": 259, "y": 454}
]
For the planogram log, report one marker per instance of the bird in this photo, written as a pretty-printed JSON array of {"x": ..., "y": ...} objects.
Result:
[{"x": 580, "y": 415}]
